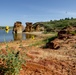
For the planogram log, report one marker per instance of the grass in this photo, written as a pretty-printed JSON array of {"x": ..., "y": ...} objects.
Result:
[
  {"x": 73, "y": 32},
  {"x": 45, "y": 40},
  {"x": 37, "y": 43}
]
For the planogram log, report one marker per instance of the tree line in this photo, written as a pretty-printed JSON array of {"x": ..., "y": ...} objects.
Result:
[{"x": 54, "y": 25}]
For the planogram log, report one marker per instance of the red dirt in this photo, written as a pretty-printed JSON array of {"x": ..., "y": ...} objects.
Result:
[{"x": 47, "y": 61}]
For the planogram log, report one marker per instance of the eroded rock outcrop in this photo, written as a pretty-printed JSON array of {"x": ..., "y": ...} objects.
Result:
[
  {"x": 37, "y": 28},
  {"x": 53, "y": 44},
  {"x": 66, "y": 32},
  {"x": 69, "y": 28},
  {"x": 29, "y": 27},
  {"x": 64, "y": 35},
  {"x": 18, "y": 27}
]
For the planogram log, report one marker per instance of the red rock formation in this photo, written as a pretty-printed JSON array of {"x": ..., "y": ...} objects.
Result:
[
  {"x": 63, "y": 34},
  {"x": 53, "y": 45},
  {"x": 66, "y": 32},
  {"x": 18, "y": 27},
  {"x": 28, "y": 27},
  {"x": 37, "y": 28}
]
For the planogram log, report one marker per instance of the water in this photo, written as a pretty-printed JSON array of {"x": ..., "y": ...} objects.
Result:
[{"x": 12, "y": 37}]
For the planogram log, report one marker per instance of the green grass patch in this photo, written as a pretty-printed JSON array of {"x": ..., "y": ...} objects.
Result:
[
  {"x": 48, "y": 39},
  {"x": 73, "y": 32},
  {"x": 44, "y": 41},
  {"x": 37, "y": 43}
]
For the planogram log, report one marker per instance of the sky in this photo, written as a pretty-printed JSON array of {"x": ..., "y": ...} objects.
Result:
[{"x": 35, "y": 11}]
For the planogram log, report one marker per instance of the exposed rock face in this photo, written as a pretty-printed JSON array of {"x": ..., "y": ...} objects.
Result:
[
  {"x": 37, "y": 28},
  {"x": 70, "y": 28},
  {"x": 18, "y": 27},
  {"x": 63, "y": 34},
  {"x": 66, "y": 32},
  {"x": 28, "y": 27},
  {"x": 53, "y": 45}
]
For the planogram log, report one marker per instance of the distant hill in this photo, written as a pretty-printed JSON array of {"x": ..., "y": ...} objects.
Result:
[{"x": 55, "y": 25}]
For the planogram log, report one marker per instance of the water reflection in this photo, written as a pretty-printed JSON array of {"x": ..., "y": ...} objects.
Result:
[
  {"x": 17, "y": 37},
  {"x": 22, "y": 36},
  {"x": 28, "y": 36},
  {"x": 12, "y": 37}
]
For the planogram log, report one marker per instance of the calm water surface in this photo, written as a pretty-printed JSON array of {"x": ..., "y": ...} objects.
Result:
[{"x": 12, "y": 37}]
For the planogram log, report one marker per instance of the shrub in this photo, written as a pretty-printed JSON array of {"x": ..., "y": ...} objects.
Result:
[{"x": 12, "y": 62}]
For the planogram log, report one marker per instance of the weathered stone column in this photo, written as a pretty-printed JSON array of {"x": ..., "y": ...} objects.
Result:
[
  {"x": 18, "y": 27},
  {"x": 29, "y": 27}
]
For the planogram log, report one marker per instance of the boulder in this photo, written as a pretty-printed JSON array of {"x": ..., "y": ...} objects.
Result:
[
  {"x": 53, "y": 45},
  {"x": 31, "y": 27}
]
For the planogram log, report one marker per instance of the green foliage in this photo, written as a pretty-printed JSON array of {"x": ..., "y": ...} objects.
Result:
[
  {"x": 50, "y": 38},
  {"x": 12, "y": 62},
  {"x": 55, "y": 25}
]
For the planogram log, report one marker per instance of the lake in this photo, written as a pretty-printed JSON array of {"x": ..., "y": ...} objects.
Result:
[{"x": 13, "y": 37}]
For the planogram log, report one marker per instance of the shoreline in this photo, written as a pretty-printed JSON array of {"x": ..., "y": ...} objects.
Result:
[
  {"x": 37, "y": 34},
  {"x": 34, "y": 33}
]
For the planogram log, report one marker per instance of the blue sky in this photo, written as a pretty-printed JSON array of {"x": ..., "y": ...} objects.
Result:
[{"x": 35, "y": 10}]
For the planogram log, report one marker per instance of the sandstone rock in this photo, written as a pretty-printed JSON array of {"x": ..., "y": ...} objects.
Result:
[
  {"x": 37, "y": 28},
  {"x": 28, "y": 27},
  {"x": 18, "y": 27},
  {"x": 31, "y": 27},
  {"x": 70, "y": 28},
  {"x": 42, "y": 28}
]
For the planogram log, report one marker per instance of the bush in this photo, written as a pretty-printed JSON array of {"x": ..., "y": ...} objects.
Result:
[{"x": 12, "y": 62}]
